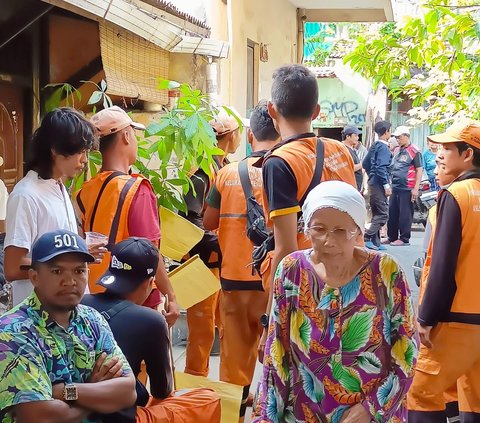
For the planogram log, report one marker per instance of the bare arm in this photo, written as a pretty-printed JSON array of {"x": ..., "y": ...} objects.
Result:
[
  {"x": 211, "y": 218},
  {"x": 104, "y": 396},
  {"x": 14, "y": 258},
  {"x": 285, "y": 234},
  {"x": 54, "y": 411},
  {"x": 357, "y": 167},
  {"x": 108, "y": 396},
  {"x": 418, "y": 179},
  {"x": 163, "y": 284}
]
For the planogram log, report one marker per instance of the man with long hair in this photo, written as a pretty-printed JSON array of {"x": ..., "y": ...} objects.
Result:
[{"x": 40, "y": 202}]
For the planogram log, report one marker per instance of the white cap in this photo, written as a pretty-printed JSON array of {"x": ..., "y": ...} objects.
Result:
[
  {"x": 401, "y": 130},
  {"x": 338, "y": 195}
]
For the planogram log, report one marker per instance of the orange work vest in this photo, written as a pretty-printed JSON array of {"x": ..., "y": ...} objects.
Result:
[
  {"x": 466, "y": 299},
  {"x": 103, "y": 203},
  {"x": 301, "y": 157},
  {"x": 236, "y": 272}
]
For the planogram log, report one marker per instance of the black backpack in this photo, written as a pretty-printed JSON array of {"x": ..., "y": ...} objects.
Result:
[
  {"x": 260, "y": 251},
  {"x": 256, "y": 226}
]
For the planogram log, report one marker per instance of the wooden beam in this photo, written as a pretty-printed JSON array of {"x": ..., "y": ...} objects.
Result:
[
  {"x": 86, "y": 73},
  {"x": 22, "y": 20},
  {"x": 346, "y": 15}
]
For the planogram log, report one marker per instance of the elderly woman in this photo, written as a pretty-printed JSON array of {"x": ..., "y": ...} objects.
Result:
[{"x": 342, "y": 336}]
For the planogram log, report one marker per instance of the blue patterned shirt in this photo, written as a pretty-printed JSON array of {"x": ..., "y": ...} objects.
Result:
[{"x": 36, "y": 352}]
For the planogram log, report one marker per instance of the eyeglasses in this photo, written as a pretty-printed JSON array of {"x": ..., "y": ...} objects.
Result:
[{"x": 320, "y": 233}]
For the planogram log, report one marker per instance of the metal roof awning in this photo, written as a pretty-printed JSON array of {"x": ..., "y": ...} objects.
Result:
[
  {"x": 345, "y": 10},
  {"x": 149, "y": 22}
]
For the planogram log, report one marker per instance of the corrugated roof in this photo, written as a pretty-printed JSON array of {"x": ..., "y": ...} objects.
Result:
[
  {"x": 323, "y": 71},
  {"x": 170, "y": 8}
]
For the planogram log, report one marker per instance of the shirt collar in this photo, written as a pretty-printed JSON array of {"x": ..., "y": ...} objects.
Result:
[
  {"x": 383, "y": 141},
  {"x": 472, "y": 174},
  {"x": 260, "y": 153},
  {"x": 297, "y": 137},
  {"x": 40, "y": 316}
]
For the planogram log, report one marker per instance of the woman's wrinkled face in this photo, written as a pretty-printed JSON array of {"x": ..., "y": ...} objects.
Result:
[{"x": 333, "y": 233}]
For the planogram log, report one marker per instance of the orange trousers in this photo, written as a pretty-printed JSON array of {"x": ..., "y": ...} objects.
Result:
[
  {"x": 199, "y": 405},
  {"x": 240, "y": 332},
  {"x": 201, "y": 334},
  {"x": 453, "y": 359}
]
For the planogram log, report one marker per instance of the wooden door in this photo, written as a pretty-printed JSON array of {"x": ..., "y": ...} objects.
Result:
[{"x": 11, "y": 133}]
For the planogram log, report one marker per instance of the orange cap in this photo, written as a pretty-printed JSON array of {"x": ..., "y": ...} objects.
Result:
[
  {"x": 466, "y": 130},
  {"x": 113, "y": 119}
]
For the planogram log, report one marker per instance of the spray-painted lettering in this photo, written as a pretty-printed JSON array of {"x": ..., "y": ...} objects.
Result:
[{"x": 349, "y": 110}]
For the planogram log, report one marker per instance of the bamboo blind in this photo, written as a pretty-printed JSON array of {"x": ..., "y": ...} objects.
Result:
[{"x": 132, "y": 64}]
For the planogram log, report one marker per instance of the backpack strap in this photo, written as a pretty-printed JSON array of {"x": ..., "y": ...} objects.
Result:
[
  {"x": 104, "y": 185},
  {"x": 317, "y": 173},
  {"x": 117, "y": 308},
  {"x": 245, "y": 178},
  {"x": 116, "y": 219}
]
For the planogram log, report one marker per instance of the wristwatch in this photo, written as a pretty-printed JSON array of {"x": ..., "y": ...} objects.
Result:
[
  {"x": 70, "y": 392},
  {"x": 264, "y": 318}
]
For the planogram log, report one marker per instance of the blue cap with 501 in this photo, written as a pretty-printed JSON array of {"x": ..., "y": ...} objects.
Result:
[{"x": 53, "y": 244}]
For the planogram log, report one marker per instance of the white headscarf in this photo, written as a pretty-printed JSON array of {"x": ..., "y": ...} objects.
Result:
[{"x": 338, "y": 195}]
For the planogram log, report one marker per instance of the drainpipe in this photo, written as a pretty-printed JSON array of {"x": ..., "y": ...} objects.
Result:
[{"x": 301, "y": 19}]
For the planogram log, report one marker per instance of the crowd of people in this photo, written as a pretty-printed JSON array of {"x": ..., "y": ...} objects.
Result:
[{"x": 323, "y": 308}]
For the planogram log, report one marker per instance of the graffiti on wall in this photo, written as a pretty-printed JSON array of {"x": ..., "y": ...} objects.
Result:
[
  {"x": 348, "y": 111},
  {"x": 340, "y": 103}
]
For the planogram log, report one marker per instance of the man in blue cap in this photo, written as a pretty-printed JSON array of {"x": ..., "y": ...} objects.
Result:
[
  {"x": 59, "y": 360},
  {"x": 142, "y": 334}
]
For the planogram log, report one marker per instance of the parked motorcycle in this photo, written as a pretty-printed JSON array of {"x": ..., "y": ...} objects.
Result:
[{"x": 425, "y": 200}]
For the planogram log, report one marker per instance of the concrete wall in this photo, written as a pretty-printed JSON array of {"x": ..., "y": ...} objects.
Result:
[
  {"x": 271, "y": 22},
  {"x": 189, "y": 68}
]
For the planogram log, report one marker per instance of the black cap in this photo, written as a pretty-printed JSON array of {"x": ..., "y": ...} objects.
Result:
[
  {"x": 56, "y": 243},
  {"x": 381, "y": 127},
  {"x": 349, "y": 130},
  {"x": 132, "y": 262}
]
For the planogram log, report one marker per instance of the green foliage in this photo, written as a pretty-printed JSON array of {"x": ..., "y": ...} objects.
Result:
[
  {"x": 59, "y": 92},
  {"x": 320, "y": 57},
  {"x": 178, "y": 144},
  {"x": 172, "y": 148},
  {"x": 431, "y": 60},
  {"x": 99, "y": 95}
]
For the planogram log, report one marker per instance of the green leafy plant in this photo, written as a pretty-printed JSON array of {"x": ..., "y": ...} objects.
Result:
[
  {"x": 61, "y": 91},
  {"x": 178, "y": 144},
  {"x": 174, "y": 146},
  {"x": 432, "y": 60},
  {"x": 99, "y": 95}
]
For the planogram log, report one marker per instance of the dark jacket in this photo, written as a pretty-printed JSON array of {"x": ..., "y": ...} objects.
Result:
[{"x": 377, "y": 163}]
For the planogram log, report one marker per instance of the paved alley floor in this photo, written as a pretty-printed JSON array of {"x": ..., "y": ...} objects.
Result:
[{"x": 406, "y": 256}]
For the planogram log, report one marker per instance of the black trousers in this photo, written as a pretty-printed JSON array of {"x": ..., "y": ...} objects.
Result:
[
  {"x": 400, "y": 216},
  {"x": 379, "y": 206}
]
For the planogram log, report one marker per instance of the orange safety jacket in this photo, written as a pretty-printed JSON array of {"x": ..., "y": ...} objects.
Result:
[
  {"x": 104, "y": 203},
  {"x": 463, "y": 290},
  {"x": 300, "y": 155},
  {"x": 236, "y": 272}
]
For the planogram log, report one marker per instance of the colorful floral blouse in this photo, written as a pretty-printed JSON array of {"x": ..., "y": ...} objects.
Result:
[{"x": 331, "y": 348}]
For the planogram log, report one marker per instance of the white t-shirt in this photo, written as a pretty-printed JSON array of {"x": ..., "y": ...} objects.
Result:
[
  {"x": 3, "y": 200},
  {"x": 34, "y": 207}
]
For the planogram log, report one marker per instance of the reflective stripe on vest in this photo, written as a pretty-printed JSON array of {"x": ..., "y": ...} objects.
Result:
[
  {"x": 236, "y": 272},
  {"x": 104, "y": 203}
]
